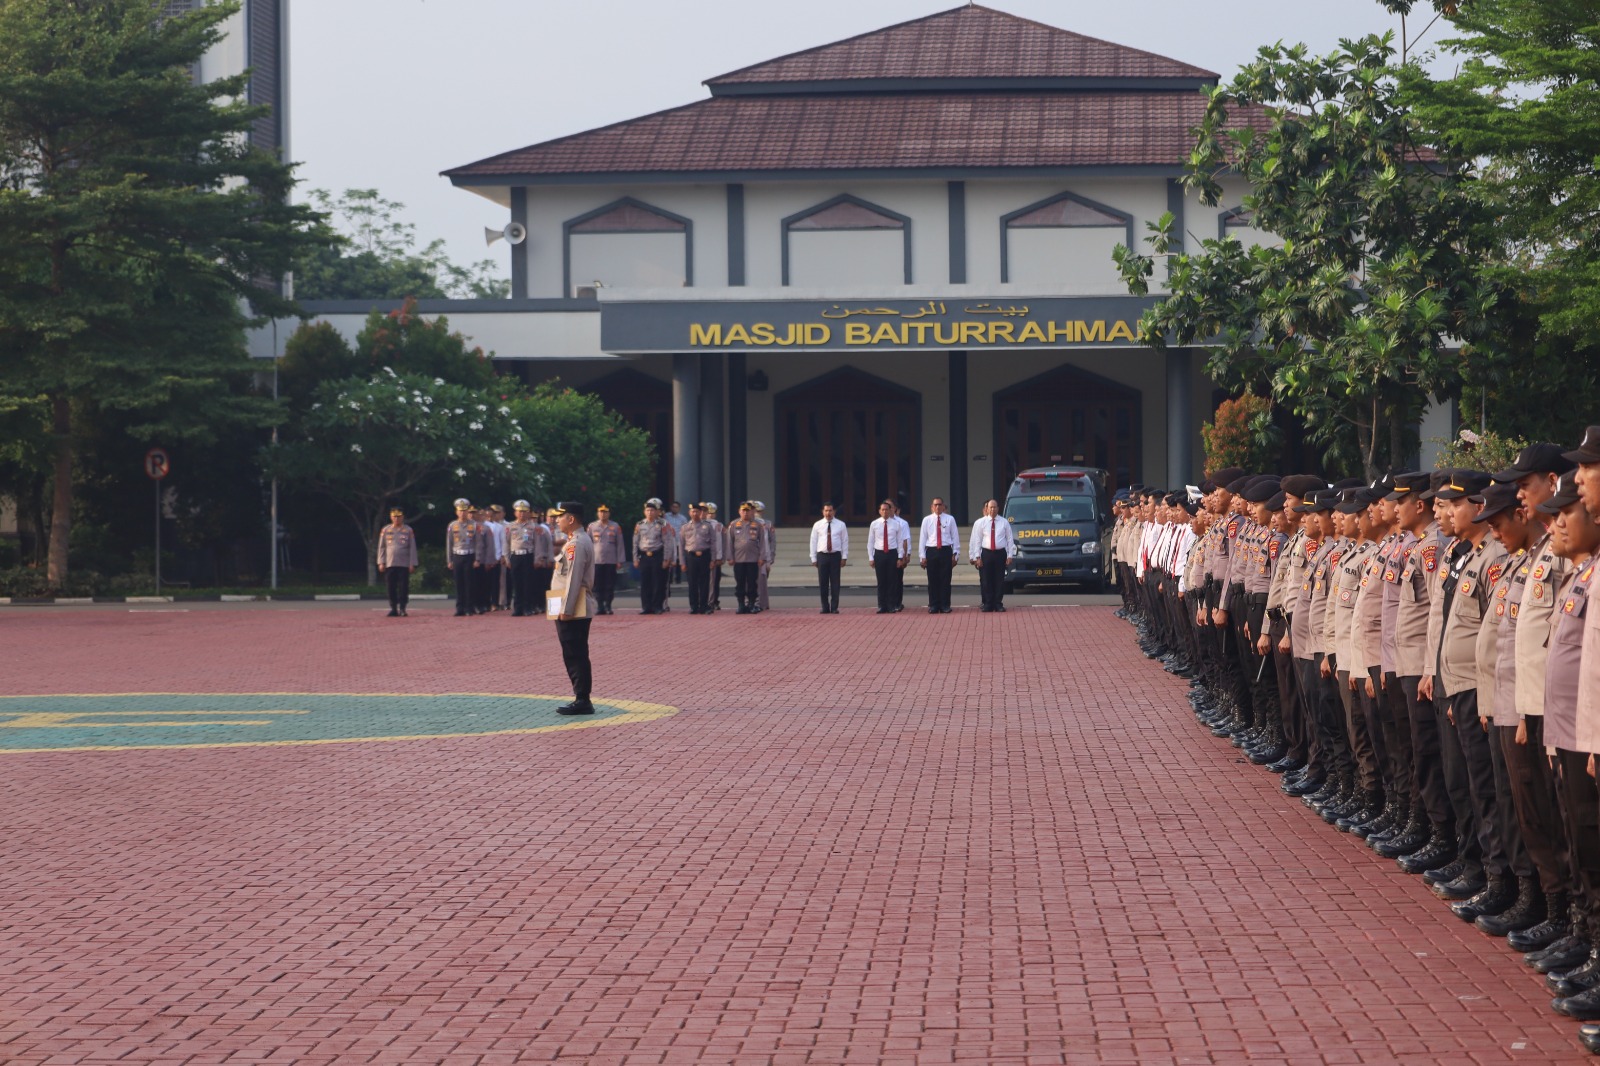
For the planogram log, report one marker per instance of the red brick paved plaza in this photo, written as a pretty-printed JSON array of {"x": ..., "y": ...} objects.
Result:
[{"x": 969, "y": 838}]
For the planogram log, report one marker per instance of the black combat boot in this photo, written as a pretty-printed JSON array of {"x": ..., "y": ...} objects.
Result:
[
  {"x": 1554, "y": 927},
  {"x": 1440, "y": 849},
  {"x": 1525, "y": 912},
  {"x": 1467, "y": 884},
  {"x": 1409, "y": 839},
  {"x": 1497, "y": 896},
  {"x": 1448, "y": 872},
  {"x": 1581, "y": 978}
]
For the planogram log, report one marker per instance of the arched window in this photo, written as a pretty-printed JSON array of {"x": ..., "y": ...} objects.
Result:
[
  {"x": 627, "y": 243},
  {"x": 1063, "y": 242},
  {"x": 1238, "y": 223},
  {"x": 846, "y": 241}
]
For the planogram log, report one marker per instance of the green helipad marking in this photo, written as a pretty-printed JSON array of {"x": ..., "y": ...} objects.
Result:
[{"x": 119, "y": 721}]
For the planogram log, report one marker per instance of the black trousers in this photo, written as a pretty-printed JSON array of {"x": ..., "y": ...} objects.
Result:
[
  {"x": 461, "y": 567},
  {"x": 398, "y": 578},
  {"x": 1506, "y": 826},
  {"x": 828, "y": 566},
  {"x": 522, "y": 586},
  {"x": 605, "y": 585},
  {"x": 542, "y": 578},
  {"x": 992, "y": 576},
  {"x": 885, "y": 566},
  {"x": 1533, "y": 794},
  {"x": 899, "y": 587},
  {"x": 697, "y": 572},
  {"x": 484, "y": 580},
  {"x": 1475, "y": 751},
  {"x": 1397, "y": 723},
  {"x": 746, "y": 583},
  {"x": 716, "y": 587},
  {"x": 652, "y": 581},
  {"x": 1580, "y": 822},
  {"x": 574, "y": 638},
  {"x": 1427, "y": 760},
  {"x": 941, "y": 564},
  {"x": 1294, "y": 723},
  {"x": 1453, "y": 765}
]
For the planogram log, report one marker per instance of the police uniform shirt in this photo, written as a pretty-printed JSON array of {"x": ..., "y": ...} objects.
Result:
[
  {"x": 1530, "y": 625},
  {"x": 699, "y": 539},
  {"x": 607, "y": 539},
  {"x": 1588, "y": 724},
  {"x": 573, "y": 580},
  {"x": 939, "y": 530},
  {"x": 1474, "y": 572},
  {"x": 519, "y": 537},
  {"x": 461, "y": 537},
  {"x": 651, "y": 538},
  {"x": 1414, "y": 612},
  {"x": 1568, "y": 667},
  {"x": 770, "y": 533},
  {"x": 397, "y": 547},
  {"x": 1497, "y": 646},
  {"x": 830, "y": 535},
  {"x": 884, "y": 531},
  {"x": 1322, "y": 575},
  {"x": 1366, "y": 627},
  {"x": 1302, "y": 568},
  {"x": 1281, "y": 553},
  {"x": 1394, "y": 563},
  {"x": 746, "y": 543},
  {"x": 1450, "y": 553},
  {"x": 1347, "y": 587}
]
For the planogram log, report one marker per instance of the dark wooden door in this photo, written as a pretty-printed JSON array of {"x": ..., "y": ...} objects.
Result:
[
  {"x": 1067, "y": 416},
  {"x": 849, "y": 438}
]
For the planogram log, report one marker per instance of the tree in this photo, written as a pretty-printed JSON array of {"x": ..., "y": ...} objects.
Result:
[
  {"x": 401, "y": 438},
  {"x": 1523, "y": 113},
  {"x": 135, "y": 221},
  {"x": 376, "y": 257},
  {"x": 1242, "y": 434},
  {"x": 1347, "y": 322},
  {"x": 587, "y": 452}
]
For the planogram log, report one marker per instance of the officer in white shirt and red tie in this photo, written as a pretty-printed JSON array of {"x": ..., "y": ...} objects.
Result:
[
  {"x": 830, "y": 550},
  {"x": 936, "y": 553},
  {"x": 993, "y": 543},
  {"x": 886, "y": 554}
]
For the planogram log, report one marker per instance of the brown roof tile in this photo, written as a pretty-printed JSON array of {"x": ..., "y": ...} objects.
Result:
[
  {"x": 877, "y": 131},
  {"x": 966, "y": 42}
]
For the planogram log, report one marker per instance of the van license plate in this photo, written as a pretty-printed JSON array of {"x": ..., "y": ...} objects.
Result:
[{"x": 1049, "y": 571}]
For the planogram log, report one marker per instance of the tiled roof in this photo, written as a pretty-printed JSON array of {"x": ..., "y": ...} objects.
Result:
[
  {"x": 966, "y": 42},
  {"x": 878, "y": 131}
]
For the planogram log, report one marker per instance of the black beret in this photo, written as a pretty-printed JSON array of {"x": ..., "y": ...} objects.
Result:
[
  {"x": 1261, "y": 489},
  {"x": 1227, "y": 476},
  {"x": 1301, "y": 484},
  {"x": 1277, "y": 502},
  {"x": 1207, "y": 487},
  {"x": 1238, "y": 484}
]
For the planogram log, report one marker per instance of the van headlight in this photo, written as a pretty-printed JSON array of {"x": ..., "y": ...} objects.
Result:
[{"x": 1089, "y": 547}]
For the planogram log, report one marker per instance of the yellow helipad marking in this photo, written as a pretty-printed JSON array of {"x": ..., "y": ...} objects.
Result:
[
  {"x": 634, "y": 712},
  {"x": 68, "y": 719}
]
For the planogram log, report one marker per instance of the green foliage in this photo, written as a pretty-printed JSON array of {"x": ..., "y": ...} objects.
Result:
[
  {"x": 401, "y": 438},
  {"x": 134, "y": 218},
  {"x": 376, "y": 257},
  {"x": 588, "y": 453},
  {"x": 1242, "y": 434},
  {"x": 1346, "y": 323},
  {"x": 1472, "y": 450},
  {"x": 412, "y": 344}
]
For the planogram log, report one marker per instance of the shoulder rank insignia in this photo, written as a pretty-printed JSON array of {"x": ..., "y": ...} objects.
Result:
[
  {"x": 1430, "y": 558},
  {"x": 1588, "y": 571}
]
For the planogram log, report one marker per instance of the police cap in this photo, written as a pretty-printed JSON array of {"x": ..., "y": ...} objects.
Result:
[
  {"x": 1589, "y": 450},
  {"x": 1565, "y": 496},
  {"x": 1541, "y": 458},
  {"x": 1493, "y": 500},
  {"x": 1464, "y": 483}
]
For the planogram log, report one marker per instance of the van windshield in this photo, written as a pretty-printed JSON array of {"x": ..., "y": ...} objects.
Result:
[{"x": 1030, "y": 509}]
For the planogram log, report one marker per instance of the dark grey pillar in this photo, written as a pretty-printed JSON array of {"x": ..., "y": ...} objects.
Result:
[
  {"x": 519, "y": 252},
  {"x": 958, "y": 437},
  {"x": 712, "y": 382},
  {"x": 685, "y": 427},
  {"x": 1180, "y": 420},
  {"x": 738, "y": 432},
  {"x": 735, "y": 234},
  {"x": 958, "y": 232}
]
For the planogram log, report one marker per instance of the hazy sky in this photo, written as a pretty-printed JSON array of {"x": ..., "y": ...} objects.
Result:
[{"x": 387, "y": 93}]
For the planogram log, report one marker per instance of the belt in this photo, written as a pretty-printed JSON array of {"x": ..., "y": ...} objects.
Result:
[
  {"x": 648, "y": 555},
  {"x": 1257, "y": 597},
  {"x": 522, "y": 553},
  {"x": 458, "y": 551},
  {"x": 699, "y": 553}
]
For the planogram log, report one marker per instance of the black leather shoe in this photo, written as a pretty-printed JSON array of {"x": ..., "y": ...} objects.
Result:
[
  {"x": 1405, "y": 844},
  {"x": 1496, "y": 896},
  {"x": 576, "y": 707},
  {"x": 1566, "y": 983},
  {"x": 394, "y": 612},
  {"x": 1563, "y": 955},
  {"x": 1285, "y": 765},
  {"x": 1302, "y": 786},
  {"x": 1448, "y": 872},
  {"x": 1589, "y": 1037},
  {"x": 1436, "y": 852},
  {"x": 1469, "y": 884},
  {"x": 1357, "y": 823},
  {"x": 1525, "y": 912},
  {"x": 1585, "y": 1006}
]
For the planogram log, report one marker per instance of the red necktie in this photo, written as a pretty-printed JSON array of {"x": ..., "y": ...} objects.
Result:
[
  {"x": 885, "y": 534},
  {"x": 991, "y": 535},
  {"x": 830, "y": 537},
  {"x": 938, "y": 532}
]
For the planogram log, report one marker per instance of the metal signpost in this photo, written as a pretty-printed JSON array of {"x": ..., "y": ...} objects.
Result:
[{"x": 157, "y": 465}]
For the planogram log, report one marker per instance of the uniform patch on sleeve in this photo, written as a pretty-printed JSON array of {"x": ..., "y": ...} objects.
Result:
[
  {"x": 1233, "y": 528},
  {"x": 1333, "y": 558},
  {"x": 1538, "y": 592},
  {"x": 1538, "y": 572},
  {"x": 1272, "y": 549},
  {"x": 1430, "y": 558},
  {"x": 1499, "y": 610},
  {"x": 1494, "y": 572}
]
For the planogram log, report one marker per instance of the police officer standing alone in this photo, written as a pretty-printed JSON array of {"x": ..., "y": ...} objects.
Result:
[
  {"x": 521, "y": 536},
  {"x": 830, "y": 550},
  {"x": 571, "y": 596},
  {"x": 993, "y": 543},
  {"x": 610, "y": 556},
  {"x": 397, "y": 557},
  {"x": 936, "y": 551}
]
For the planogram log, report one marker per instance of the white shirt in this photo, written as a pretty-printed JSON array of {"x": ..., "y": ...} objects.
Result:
[
  {"x": 899, "y": 540},
  {"x": 819, "y": 539},
  {"x": 499, "y": 538},
  {"x": 946, "y": 523},
  {"x": 1004, "y": 540}
]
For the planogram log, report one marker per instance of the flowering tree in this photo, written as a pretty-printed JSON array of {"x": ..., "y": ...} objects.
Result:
[
  {"x": 400, "y": 438},
  {"x": 1242, "y": 434}
]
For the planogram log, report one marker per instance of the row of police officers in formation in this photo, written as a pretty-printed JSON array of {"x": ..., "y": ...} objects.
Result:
[{"x": 1416, "y": 657}]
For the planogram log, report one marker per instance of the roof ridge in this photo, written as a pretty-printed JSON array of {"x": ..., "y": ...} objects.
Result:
[
  {"x": 843, "y": 40},
  {"x": 581, "y": 133}
]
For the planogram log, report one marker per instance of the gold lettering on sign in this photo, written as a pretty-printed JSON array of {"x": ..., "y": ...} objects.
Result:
[{"x": 906, "y": 334}]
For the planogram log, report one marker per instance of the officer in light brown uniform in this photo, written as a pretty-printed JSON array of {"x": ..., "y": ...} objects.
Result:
[
  {"x": 610, "y": 556},
  {"x": 698, "y": 542},
  {"x": 397, "y": 557},
  {"x": 463, "y": 540},
  {"x": 522, "y": 534},
  {"x": 653, "y": 555},
  {"x": 746, "y": 547}
]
